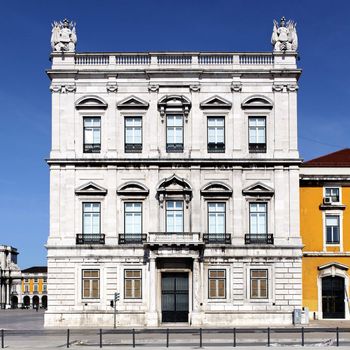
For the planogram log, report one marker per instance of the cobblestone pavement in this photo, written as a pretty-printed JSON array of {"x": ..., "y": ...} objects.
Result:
[{"x": 23, "y": 329}]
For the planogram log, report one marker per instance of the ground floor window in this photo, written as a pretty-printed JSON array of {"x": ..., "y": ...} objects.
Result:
[
  {"x": 217, "y": 284},
  {"x": 91, "y": 284},
  {"x": 132, "y": 284},
  {"x": 258, "y": 284}
]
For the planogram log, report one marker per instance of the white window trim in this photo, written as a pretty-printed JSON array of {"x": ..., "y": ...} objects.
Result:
[
  {"x": 340, "y": 193},
  {"x": 269, "y": 128},
  {"x": 340, "y": 214},
  {"x": 270, "y": 284}
]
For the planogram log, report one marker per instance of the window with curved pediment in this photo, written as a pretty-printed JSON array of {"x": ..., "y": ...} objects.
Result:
[
  {"x": 91, "y": 102},
  {"x": 257, "y": 102},
  {"x": 133, "y": 188},
  {"x": 216, "y": 189}
]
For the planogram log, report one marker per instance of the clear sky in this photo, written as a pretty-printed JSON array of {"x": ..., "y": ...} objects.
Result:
[{"x": 152, "y": 25}]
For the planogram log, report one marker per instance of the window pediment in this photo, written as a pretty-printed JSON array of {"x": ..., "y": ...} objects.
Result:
[
  {"x": 132, "y": 102},
  {"x": 216, "y": 189},
  {"x": 91, "y": 189},
  {"x": 174, "y": 186},
  {"x": 257, "y": 102},
  {"x": 333, "y": 265},
  {"x": 174, "y": 103},
  {"x": 258, "y": 189},
  {"x": 91, "y": 102},
  {"x": 216, "y": 102},
  {"x": 133, "y": 188}
]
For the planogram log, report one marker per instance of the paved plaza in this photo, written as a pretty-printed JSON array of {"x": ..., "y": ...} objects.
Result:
[{"x": 24, "y": 329}]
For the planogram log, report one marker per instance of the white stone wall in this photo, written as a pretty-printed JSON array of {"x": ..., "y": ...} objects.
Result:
[{"x": 277, "y": 170}]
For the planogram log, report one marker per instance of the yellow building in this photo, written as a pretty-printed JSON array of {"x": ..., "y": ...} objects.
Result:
[
  {"x": 325, "y": 231},
  {"x": 34, "y": 287}
]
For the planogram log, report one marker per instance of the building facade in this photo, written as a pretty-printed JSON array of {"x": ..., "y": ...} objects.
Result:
[
  {"x": 10, "y": 277},
  {"x": 34, "y": 287},
  {"x": 174, "y": 181},
  {"x": 325, "y": 221}
]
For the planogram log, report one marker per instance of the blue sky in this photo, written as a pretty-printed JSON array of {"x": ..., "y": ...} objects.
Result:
[{"x": 175, "y": 25}]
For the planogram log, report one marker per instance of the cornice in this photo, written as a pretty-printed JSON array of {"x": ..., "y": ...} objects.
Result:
[{"x": 326, "y": 254}]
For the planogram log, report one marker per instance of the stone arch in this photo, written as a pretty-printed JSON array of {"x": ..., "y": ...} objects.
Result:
[
  {"x": 35, "y": 302},
  {"x": 26, "y": 301},
  {"x": 44, "y": 301}
]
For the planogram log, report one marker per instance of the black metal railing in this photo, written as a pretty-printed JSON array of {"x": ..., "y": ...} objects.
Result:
[
  {"x": 132, "y": 238},
  {"x": 90, "y": 238},
  {"x": 174, "y": 147},
  {"x": 257, "y": 147},
  {"x": 133, "y": 147},
  {"x": 218, "y": 147},
  {"x": 258, "y": 238},
  {"x": 217, "y": 238},
  {"x": 92, "y": 147}
]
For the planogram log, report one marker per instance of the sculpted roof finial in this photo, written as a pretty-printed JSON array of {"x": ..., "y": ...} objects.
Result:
[
  {"x": 63, "y": 36},
  {"x": 284, "y": 36}
]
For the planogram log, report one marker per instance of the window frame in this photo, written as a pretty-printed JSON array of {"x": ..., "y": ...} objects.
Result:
[
  {"x": 225, "y": 216},
  {"x": 84, "y": 129},
  {"x": 133, "y": 202},
  {"x": 100, "y": 217},
  {"x": 339, "y": 193},
  {"x": 266, "y": 216},
  {"x": 264, "y": 148},
  {"x": 217, "y": 279},
  {"x": 223, "y": 150},
  {"x": 125, "y": 127},
  {"x": 174, "y": 150},
  {"x": 166, "y": 214},
  {"x": 129, "y": 278},
  {"x": 339, "y": 229},
  {"x": 252, "y": 269},
  {"x": 83, "y": 297}
]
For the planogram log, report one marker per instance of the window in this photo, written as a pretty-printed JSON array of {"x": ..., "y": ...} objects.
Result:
[
  {"x": 35, "y": 287},
  {"x": 91, "y": 218},
  {"x": 174, "y": 133},
  {"x": 133, "y": 219},
  {"x": 174, "y": 216},
  {"x": 332, "y": 229},
  {"x": 257, "y": 218},
  {"x": 35, "y": 280},
  {"x": 92, "y": 135},
  {"x": 258, "y": 284},
  {"x": 133, "y": 134},
  {"x": 333, "y": 193},
  {"x": 216, "y": 134},
  {"x": 91, "y": 284},
  {"x": 132, "y": 284},
  {"x": 44, "y": 287},
  {"x": 26, "y": 288},
  {"x": 216, "y": 220},
  {"x": 217, "y": 284},
  {"x": 257, "y": 134}
]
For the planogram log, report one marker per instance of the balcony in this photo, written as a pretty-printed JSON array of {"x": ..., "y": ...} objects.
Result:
[
  {"x": 257, "y": 147},
  {"x": 258, "y": 238},
  {"x": 217, "y": 238},
  {"x": 218, "y": 147},
  {"x": 132, "y": 238},
  {"x": 174, "y": 239},
  {"x": 92, "y": 147},
  {"x": 174, "y": 147},
  {"x": 133, "y": 147},
  {"x": 88, "y": 238}
]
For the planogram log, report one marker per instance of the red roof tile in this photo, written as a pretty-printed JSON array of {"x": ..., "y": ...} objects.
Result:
[{"x": 336, "y": 159}]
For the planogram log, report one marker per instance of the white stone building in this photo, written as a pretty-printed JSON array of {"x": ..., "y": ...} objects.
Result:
[{"x": 174, "y": 181}]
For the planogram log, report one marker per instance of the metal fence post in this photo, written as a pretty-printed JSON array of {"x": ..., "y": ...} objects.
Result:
[
  {"x": 268, "y": 336},
  {"x": 100, "y": 338},
  {"x": 337, "y": 336},
  {"x": 68, "y": 338},
  {"x": 234, "y": 337},
  {"x": 2, "y": 339},
  {"x": 133, "y": 337},
  {"x": 302, "y": 336},
  {"x": 200, "y": 338},
  {"x": 167, "y": 337}
]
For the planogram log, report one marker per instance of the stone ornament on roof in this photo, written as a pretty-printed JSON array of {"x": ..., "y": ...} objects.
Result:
[
  {"x": 63, "y": 37},
  {"x": 284, "y": 36}
]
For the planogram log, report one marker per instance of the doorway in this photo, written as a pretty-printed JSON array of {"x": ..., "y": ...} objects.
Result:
[
  {"x": 175, "y": 303},
  {"x": 333, "y": 304}
]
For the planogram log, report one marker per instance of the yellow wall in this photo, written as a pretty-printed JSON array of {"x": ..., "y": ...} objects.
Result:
[{"x": 31, "y": 285}]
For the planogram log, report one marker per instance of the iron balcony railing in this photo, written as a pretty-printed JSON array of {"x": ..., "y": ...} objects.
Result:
[
  {"x": 217, "y": 238},
  {"x": 132, "y": 238},
  {"x": 174, "y": 147},
  {"x": 92, "y": 147},
  {"x": 174, "y": 238},
  {"x": 90, "y": 238},
  {"x": 257, "y": 147},
  {"x": 133, "y": 147},
  {"x": 258, "y": 238},
  {"x": 218, "y": 147}
]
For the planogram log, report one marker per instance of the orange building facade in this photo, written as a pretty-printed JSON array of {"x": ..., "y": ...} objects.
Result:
[
  {"x": 325, "y": 232},
  {"x": 34, "y": 287}
]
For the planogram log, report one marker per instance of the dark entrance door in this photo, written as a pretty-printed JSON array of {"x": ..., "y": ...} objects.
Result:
[
  {"x": 175, "y": 297},
  {"x": 333, "y": 305}
]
